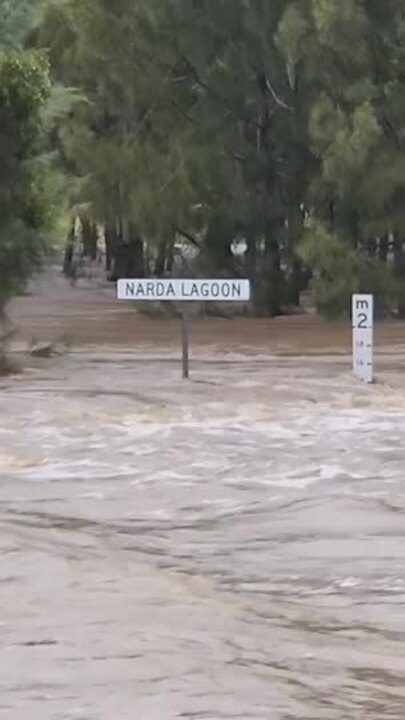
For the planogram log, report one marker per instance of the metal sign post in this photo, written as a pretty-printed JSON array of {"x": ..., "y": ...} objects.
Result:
[
  {"x": 185, "y": 340},
  {"x": 362, "y": 326},
  {"x": 184, "y": 291}
]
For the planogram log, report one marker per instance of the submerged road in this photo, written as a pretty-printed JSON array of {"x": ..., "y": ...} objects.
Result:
[{"x": 228, "y": 548}]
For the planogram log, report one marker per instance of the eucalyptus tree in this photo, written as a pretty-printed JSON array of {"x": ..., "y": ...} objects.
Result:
[{"x": 277, "y": 122}]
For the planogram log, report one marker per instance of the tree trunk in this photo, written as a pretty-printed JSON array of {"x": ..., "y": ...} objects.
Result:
[
  {"x": 93, "y": 241},
  {"x": 273, "y": 279},
  {"x": 135, "y": 258},
  {"x": 355, "y": 229},
  {"x": 251, "y": 258},
  {"x": 170, "y": 256},
  {"x": 89, "y": 239},
  {"x": 120, "y": 229},
  {"x": 217, "y": 244},
  {"x": 297, "y": 277},
  {"x": 399, "y": 272},
  {"x": 86, "y": 237},
  {"x": 111, "y": 244},
  {"x": 69, "y": 250},
  {"x": 135, "y": 254},
  {"x": 297, "y": 283},
  {"x": 383, "y": 248},
  {"x": 372, "y": 247},
  {"x": 332, "y": 215},
  {"x": 160, "y": 264}
]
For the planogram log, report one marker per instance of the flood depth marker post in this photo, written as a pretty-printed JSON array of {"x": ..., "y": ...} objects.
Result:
[
  {"x": 184, "y": 291},
  {"x": 362, "y": 324}
]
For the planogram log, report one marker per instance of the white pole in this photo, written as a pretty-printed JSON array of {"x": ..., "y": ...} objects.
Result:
[{"x": 362, "y": 324}]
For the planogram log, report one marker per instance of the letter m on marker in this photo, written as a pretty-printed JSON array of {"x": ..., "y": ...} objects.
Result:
[{"x": 361, "y": 304}]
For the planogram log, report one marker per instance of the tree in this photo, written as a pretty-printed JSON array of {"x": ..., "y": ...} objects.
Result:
[
  {"x": 32, "y": 186},
  {"x": 24, "y": 88},
  {"x": 354, "y": 121},
  {"x": 208, "y": 121},
  {"x": 176, "y": 139}
]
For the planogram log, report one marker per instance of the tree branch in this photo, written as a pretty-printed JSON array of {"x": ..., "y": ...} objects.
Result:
[
  {"x": 276, "y": 98},
  {"x": 215, "y": 94},
  {"x": 187, "y": 236}
]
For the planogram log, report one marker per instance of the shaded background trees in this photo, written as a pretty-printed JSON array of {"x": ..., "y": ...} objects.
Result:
[
  {"x": 32, "y": 184},
  {"x": 24, "y": 89},
  {"x": 276, "y": 126}
]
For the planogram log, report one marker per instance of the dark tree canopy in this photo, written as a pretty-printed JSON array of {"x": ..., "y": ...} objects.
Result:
[{"x": 280, "y": 124}]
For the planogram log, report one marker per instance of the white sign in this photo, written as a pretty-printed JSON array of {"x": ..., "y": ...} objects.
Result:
[
  {"x": 362, "y": 323},
  {"x": 202, "y": 290}
]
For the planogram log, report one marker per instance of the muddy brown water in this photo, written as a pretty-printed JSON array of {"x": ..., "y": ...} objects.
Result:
[{"x": 231, "y": 547}]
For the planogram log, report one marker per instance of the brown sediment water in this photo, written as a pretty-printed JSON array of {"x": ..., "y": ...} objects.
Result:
[{"x": 232, "y": 547}]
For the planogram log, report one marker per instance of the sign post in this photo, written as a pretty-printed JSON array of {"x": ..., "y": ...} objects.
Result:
[
  {"x": 185, "y": 340},
  {"x": 362, "y": 325},
  {"x": 184, "y": 291}
]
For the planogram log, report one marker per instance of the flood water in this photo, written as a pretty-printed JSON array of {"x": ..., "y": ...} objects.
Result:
[{"x": 228, "y": 548}]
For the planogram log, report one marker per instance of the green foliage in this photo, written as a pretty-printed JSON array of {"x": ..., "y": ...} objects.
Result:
[
  {"x": 24, "y": 88},
  {"x": 17, "y": 19},
  {"x": 21, "y": 251},
  {"x": 25, "y": 206},
  {"x": 339, "y": 271},
  {"x": 343, "y": 142},
  {"x": 215, "y": 120}
]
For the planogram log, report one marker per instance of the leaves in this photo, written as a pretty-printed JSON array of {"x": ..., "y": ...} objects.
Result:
[
  {"x": 25, "y": 207},
  {"x": 17, "y": 19},
  {"x": 237, "y": 119}
]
